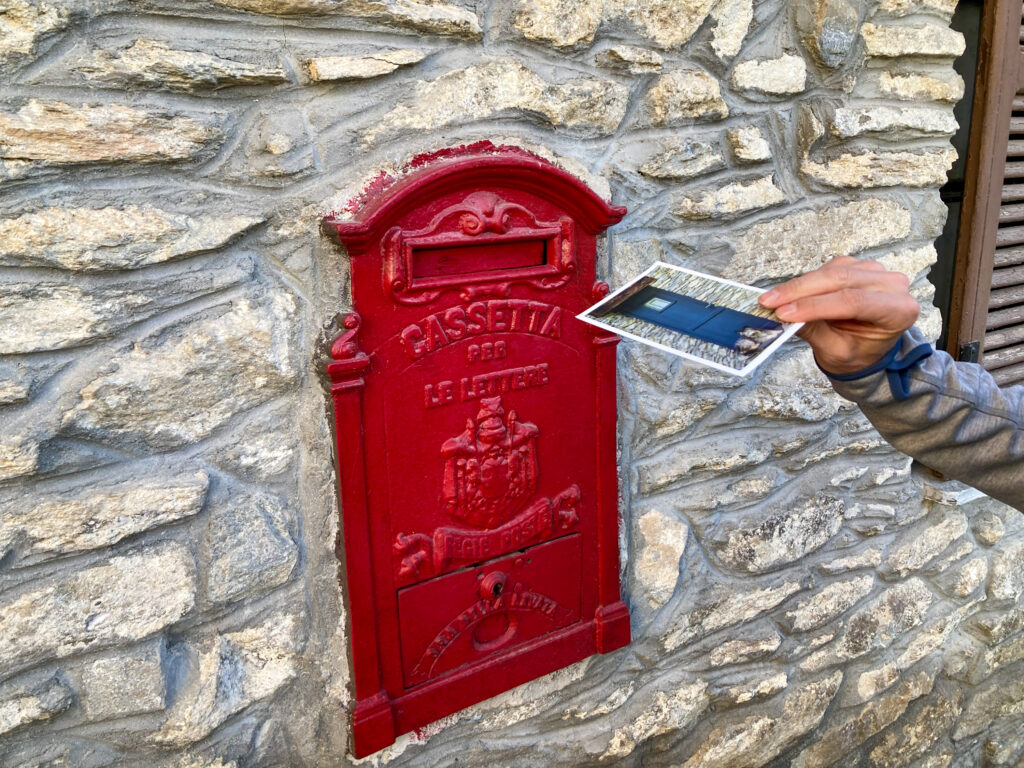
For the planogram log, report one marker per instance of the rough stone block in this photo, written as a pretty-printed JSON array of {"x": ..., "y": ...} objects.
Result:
[
  {"x": 47, "y": 314},
  {"x": 661, "y": 712},
  {"x": 330, "y": 68},
  {"x": 228, "y": 673},
  {"x": 893, "y": 123},
  {"x": 178, "y": 387},
  {"x": 745, "y": 649},
  {"x": 661, "y": 542},
  {"x": 828, "y": 29},
  {"x": 683, "y": 159},
  {"x": 929, "y": 40},
  {"x": 130, "y": 683},
  {"x": 720, "y": 609},
  {"x": 684, "y": 95},
  {"x": 40, "y": 698},
  {"x": 870, "y": 170},
  {"x": 99, "y": 514},
  {"x": 799, "y": 242},
  {"x": 1006, "y": 581},
  {"x": 636, "y": 61},
  {"x": 734, "y": 690},
  {"x": 917, "y": 735},
  {"x": 784, "y": 76},
  {"x": 95, "y": 239},
  {"x": 732, "y": 23},
  {"x": 23, "y": 24},
  {"x": 731, "y": 200},
  {"x": 758, "y": 739},
  {"x": 153, "y": 64},
  {"x": 58, "y": 133},
  {"x": 831, "y": 602},
  {"x": 561, "y": 23},
  {"x": 435, "y": 17},
  {"x": 925, "y": 542},
  {"x": 251, "y": 551},
  {"x": 748, "y": 145},
  {"x": 667, "y": 23},
  {"x": 780, "y": 533},
  {"x": 501, "y": 86},
  {"x": 944, "y": 87},
  {"x": 132, "y": 597},
  {"x": 19, "y": 456}
]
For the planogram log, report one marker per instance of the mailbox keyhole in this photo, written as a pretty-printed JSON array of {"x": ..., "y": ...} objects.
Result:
[{"x": 493, "y": 584}]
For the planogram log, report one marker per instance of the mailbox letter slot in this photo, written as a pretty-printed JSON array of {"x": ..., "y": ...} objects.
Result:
[{"x": 475, "y": 427}]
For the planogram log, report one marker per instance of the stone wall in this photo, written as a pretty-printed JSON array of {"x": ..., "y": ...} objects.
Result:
[{"x": 168, "y": 595}]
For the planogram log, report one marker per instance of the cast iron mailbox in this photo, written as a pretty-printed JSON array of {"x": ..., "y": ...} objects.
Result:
[{"x": 475, "y": 424}]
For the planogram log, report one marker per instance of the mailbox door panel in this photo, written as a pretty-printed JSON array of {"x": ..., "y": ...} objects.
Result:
[{"x": 470, "y": 615}]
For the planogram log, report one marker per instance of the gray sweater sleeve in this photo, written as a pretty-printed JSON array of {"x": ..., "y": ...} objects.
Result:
[{"x": 954, "y": 418}]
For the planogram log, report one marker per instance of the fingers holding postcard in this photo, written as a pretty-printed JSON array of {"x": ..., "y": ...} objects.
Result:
[{"x": 700, "y": 317}]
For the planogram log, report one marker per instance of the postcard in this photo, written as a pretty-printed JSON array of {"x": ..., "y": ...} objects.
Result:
[{"x": 699, "y": 317}]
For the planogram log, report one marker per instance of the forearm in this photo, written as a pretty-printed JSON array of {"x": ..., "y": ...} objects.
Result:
[{"x": 954, "y": 419}]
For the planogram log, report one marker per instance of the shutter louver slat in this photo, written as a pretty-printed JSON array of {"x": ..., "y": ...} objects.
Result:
[
  {"x": 1003, "y": 297},
  {"x": 1001, "y": 358},
  {"x": 1014, "y": 171},
  {"x": 1009, "y": 214},
  {"x": 1012, "y": 192},
  {"x": 1004, "y": 317},
  {"x": 1009, "y": 236},
  {"x": 1003, "y": 337},
  {"x": 1001, "y": 278},
  {"x": 1009, "y": 375},
  {"x": 1009, "y": 257}
]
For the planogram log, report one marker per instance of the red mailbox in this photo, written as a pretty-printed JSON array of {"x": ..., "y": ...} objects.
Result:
[{"x": 475, "y": 425}]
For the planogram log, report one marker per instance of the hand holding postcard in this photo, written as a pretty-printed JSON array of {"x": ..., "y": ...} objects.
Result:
[{"x": 703, "y": 318}]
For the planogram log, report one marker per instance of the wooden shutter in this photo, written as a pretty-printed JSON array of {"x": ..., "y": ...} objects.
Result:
[{"x": 986, "y": 319}]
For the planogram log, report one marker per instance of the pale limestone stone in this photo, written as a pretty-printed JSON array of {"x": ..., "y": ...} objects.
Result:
[
  {"x": 19, "y": 456},
  {"x": 23, "y": 23},
  {"x": 757, "y": 740},
  {"x": 328, "y": 68},
  {"x": 1002, "y": 655},
  {"x": 967, "y": 577},
  {"x": 179, "y": 387},
  {"x": 684, "y": 95},
  {"x": 882, "y": 169},
  {"x": 636, "y": 61},
  {"x": 92, "y": 239},
  {"x": 930, "y": 40},
  {"x": 230, "y": 672},
  {"x": 869, "y": 558},
  {"x": 839, "y": 740},
  {"x": 58, "y": 133},
  {"x": 130, "y": 683},
  {"x": 151, "y": 63},
  {"x": 430, "y": 16},
  {"x": 12, "y": 392},
  {"x": 132, "y": 597},
  {"x": 912, "y": 262},
  {"x": 732, "y": 200},
  {"x": 34, "y": 701},
  {"x": 261, "y": 450},
  {"x": 988, "y": 528},
  {"x": 943, "y": 8},
  {"x": 784, "y": 536},
  {"x": 828, "y": 29},
  {"x": 662, "y": 541},
  {"x": 561, "y": 23},
  {"x": 994, "y": 700},
  {"x": 1007, "y": 578},
  {"x": 732, "y": 22},
  {"x": 722, "y": 454},
  {"x": 945, "y": 87},
  {"x": 595, "y": 107},
  {"x": 873, "y": 682},
  {"x": 796, "y": 243},
  {"x": 683, "y": 159},
  {"x": 47, "y": 315},
  {"x": 917, "y": 734},
  {"x": 773, "y": 77},
  {"x": 831, "y": 602},
  {"x": 995, "y": 627},
  {"x": 748, "y": 145},
  {"x": 933, "y": 636},
  {"x": 661, "y": 417},
  {"x": 98, "y": 515},
  {"x": 893, "y": 613},
  {"x": 893, "y": 122},
  {"x": 790, "y": 388},
  {"x": 250, "y": 549},
  {"x": 668, "y": 23},
  {"x": 1004, "y": 744},
  {"x": 664, "y": 712},
  {"x": 739, "y": 651},
  {"x": 732, "y": 693},
  {"x": 724, "y": 610},
  {"x": 927, "y": 541}
]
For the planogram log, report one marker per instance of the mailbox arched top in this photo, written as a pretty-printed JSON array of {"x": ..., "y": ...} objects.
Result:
[{"x": 509, "y": 168}]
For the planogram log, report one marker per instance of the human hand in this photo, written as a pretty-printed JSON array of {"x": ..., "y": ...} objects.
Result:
[{"x": 854, "y": 311}]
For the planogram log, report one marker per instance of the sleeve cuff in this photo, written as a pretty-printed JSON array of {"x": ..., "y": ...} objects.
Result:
[{"x": 897, "y": 369}]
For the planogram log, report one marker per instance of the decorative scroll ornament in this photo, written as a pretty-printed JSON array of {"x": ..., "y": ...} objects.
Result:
[
  {"x": 346, "y": 346},
  {"x": 481, "y": 217}
]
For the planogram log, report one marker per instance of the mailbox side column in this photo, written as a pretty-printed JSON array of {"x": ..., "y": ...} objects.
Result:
[{"x": 373, "y": 725}]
